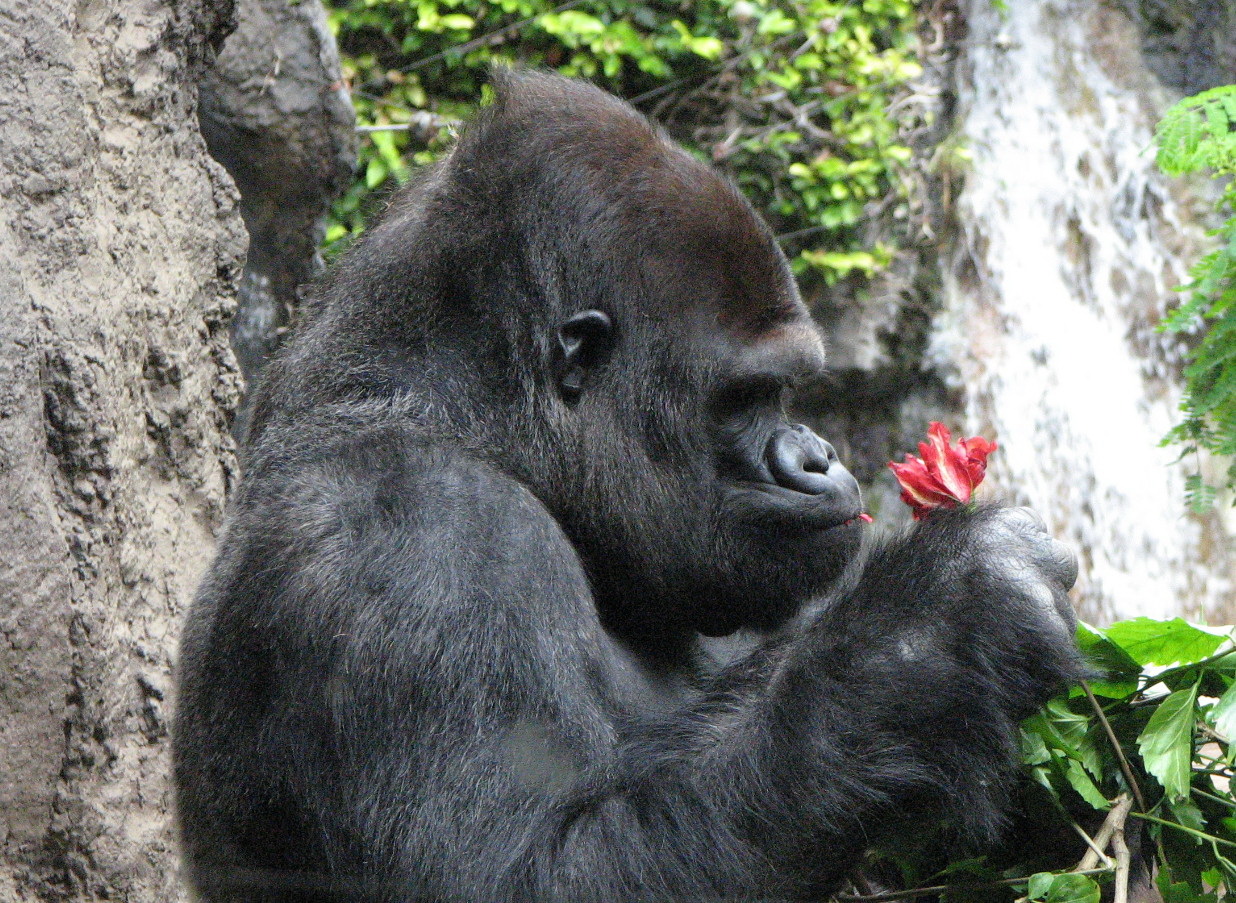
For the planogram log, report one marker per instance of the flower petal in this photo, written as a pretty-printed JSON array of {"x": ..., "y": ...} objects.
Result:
[
  {"x": 976, "y": 451},
  {"x": 946, "y": 463},
  {"x": 919, "y": 486}
]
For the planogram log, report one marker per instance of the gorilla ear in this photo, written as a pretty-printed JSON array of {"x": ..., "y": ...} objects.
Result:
[{"x": 584, "y": 341}]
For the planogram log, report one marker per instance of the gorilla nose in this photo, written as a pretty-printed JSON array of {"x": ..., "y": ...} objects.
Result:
[{"x": 799, "y": 459}]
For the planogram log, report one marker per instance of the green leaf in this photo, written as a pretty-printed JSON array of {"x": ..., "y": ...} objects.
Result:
[
  {"x": 1040, "y": 884},
  {"x": 375, "y": 172},
  {"x": 1188, "y": 814},
  {"x": 1072, "y": 734},
  {"x": 1080, "y": 781},
  {"x": 1223, "y": 714},
  {"x": 1033, "y": 748},
  {"x": 1068, "y": 888},
  {"x": 1103, "y": 653},
  {"x": 1180, "y": 893},
  {"x": 1151, "y": 642},
  {"x": 1166, "y": 743}
]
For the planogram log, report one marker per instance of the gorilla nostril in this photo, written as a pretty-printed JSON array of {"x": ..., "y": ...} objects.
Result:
[
  {"x": 816, "y": 464},
  {"x": 798, "y": 459}
]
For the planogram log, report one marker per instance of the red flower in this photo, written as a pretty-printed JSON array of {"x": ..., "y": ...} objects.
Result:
[{"x": 945, "y": 475}]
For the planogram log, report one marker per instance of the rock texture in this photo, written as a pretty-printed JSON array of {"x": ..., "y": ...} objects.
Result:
[
  {"x": 276, "y": 114},
  {"x": 119, "y": 244},
  {"x": 1189, "y": 44}
]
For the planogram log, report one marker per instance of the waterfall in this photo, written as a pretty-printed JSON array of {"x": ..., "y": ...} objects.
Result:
[{"x": 1068, "y": 246}]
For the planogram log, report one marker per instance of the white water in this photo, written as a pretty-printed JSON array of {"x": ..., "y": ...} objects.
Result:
[{"x": 1070, "y": 246}]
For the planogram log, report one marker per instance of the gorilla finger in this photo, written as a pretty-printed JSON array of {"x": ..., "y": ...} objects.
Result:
[
  {"x": 1027, "y": 518},
  {"x": 1063, "y": 564},
  {"x": 1067, "y": 612}
]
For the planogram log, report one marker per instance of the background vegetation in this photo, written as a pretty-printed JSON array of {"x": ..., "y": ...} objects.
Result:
[
  {"x": 793, "y": 99},
  {"x": 1197, "y": 135}
]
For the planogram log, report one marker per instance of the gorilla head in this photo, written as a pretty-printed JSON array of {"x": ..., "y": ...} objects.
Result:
[{"x": 606, "y": 319}]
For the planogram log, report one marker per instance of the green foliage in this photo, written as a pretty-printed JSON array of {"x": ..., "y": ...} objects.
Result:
[
  {"x": 1150, "y": 642},
  {"x": 791, "y": 97},
  {"x": 1153, "y": 753},
  {"x": 1198, "y": 134},
  {"x": 1166, "y": 743},
  {"x": 1051, "y": 888}
]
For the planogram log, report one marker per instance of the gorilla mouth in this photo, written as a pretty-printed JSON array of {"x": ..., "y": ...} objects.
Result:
[{"x": 837, "y": 506}]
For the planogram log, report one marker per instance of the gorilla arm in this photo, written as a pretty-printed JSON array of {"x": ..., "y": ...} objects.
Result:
[
  {"x": 485, "y": 739},
  {"x": 901, "y": 699}
]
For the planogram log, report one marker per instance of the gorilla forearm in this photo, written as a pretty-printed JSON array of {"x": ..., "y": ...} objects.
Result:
[
  {"x": 726, "y": 798},
  {"x": 900, "y": 701}
]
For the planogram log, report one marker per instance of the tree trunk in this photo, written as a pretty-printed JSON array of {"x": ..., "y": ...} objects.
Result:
[{"x": 119, "y": 245}]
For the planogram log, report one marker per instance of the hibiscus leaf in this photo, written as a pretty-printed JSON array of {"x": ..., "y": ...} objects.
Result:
[
  {"x": 1033, "y": 748},
  {"x": 1173, "y": 892},
  {"x": 1166, "y": 743},
  {"x": 1049, "y": 888},
  {"x": 1151, "y": 642},
  {"x": 1187, "y": 813},
  {"x": 1040, "y": 884},
  {"x": 1080, "y": 781},
  {"x": 1103, "y": 653}
]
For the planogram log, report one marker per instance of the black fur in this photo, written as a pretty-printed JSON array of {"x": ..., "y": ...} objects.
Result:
[{"x": 454, "y": 643}]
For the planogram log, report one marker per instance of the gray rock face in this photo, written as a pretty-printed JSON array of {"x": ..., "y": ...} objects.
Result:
[
  {"x": 275, "y": 112},
  {"x": 119, "y": 247},
  {"x": 1189, "y": 44}
]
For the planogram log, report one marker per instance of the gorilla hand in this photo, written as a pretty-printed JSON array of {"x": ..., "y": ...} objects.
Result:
[
  {"x": 1038, "y": 568},
  {"x": 953, "y": 632}
]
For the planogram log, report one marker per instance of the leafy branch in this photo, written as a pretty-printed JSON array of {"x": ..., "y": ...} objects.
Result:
[{"x": 1149, "y": 739}]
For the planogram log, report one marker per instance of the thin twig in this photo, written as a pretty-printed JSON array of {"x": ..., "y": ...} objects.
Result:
[
  {"x": 1100, "y": 858},
  {"x": 1111, "y": 736},
  {"x": 1210, "y": 732},
  {"x": 1123, "y": 860},
  {"x": 1214, "y": 797},
  {"x": 1115, "y": 819},
  {"x": 1179, "y": 827}
]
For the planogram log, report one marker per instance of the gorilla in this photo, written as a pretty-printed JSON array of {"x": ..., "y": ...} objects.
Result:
[{"x": 532, "y": 591}]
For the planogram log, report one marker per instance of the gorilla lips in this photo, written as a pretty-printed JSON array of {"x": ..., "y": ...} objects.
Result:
[{"x": 945, "y": 475}]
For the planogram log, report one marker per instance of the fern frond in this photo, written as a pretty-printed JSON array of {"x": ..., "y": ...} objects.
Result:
[
  {"x": 1199, "y": 495},
  {"x": 1199, "y": 132}
]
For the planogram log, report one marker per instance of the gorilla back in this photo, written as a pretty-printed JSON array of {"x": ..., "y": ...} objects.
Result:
[{"x": 526, "y": 457}]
